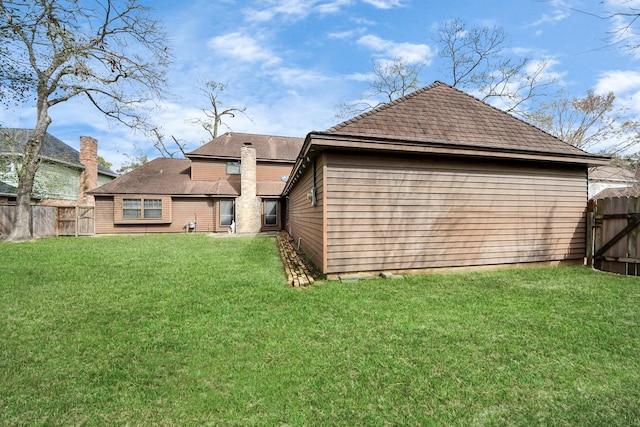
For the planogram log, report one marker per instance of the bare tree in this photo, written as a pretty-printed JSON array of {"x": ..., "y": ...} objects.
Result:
[
  {"x": 592, "y": 123},
  {"x": 111, "y": 52},
  {"x": 475, "y": 60},
  {"x": 215, "y": 115},
  {"x": 391, "y": 79},
  {"x": 625, "y": 16},
  {"x": 164, "y": 148}
]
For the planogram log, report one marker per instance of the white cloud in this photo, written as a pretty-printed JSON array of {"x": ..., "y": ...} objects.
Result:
[
  {"x": 341, "y": 34},
  {"x": 244, "y": 48},
  {"x": 409, "y": 52},
  {"x": 619, "y": 82},
  {"x": 294, "y": 10},
  {"x": 298, "y": 77},
  {"x": 333, "y": 6},
  {"x": 556, "y": 16},
  {"x": 384, "y": 4},
  {"x": 360, "y": 77}
]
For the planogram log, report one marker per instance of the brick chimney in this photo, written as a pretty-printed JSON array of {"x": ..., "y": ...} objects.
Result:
[
  {"x": 248, "y": 212},
  {"x": 89, "y": 176}
]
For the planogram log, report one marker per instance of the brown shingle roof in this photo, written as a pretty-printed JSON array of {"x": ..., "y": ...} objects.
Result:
[
  {"x": 610, "y": 173},
  {"x": 269, "y": 188},
  {"x": 440, "y": 113},
  {"x": 168, "y": 177},
  {"x": 268, "y": 147}
]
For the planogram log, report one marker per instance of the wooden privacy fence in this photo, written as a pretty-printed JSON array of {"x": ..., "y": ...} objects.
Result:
[
  {"x": 48, "y": 221},
  {"x": 613, "y": 234}
]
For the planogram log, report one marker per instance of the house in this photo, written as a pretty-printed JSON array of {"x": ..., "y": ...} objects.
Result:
[
  {"x": 610, "y": 181},
  {"x": 65, "y": 175},
  {"x": 234, "y": 181},
  {"x": 437, "y": 179}
]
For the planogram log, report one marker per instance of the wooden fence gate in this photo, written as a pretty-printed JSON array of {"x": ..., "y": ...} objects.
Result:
[
  {"x": 75, "y": 221},
  {"x": 613, "y": 234}
]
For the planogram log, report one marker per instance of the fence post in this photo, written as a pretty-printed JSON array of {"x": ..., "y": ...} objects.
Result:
[{"x": 590, "y": 232}]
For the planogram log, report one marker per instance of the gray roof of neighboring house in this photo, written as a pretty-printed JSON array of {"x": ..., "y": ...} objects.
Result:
[
  {"x": 439, "y": 113},
  {"x": 7, "y": 189},
  {"x": 268, "y": 147},
  {"x": 52, "y": 148}
]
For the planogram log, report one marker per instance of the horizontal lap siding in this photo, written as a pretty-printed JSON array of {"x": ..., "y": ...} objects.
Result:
[
  {"x": 183, "y": 210},
  {"x": 304, "y": 221},
  {"x": 202, "y": 211},
  {"x": 400, "y": 213},
  {"x": 272, "y": 171},
  {"x": 209, "y": 170}
]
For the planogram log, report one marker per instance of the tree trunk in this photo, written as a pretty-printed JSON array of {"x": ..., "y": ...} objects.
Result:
[{"x": 21, "y": 229}]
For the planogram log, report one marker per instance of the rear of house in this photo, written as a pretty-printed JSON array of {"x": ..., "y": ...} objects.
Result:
[
  {"x": 437, "y": 179},
  {"x": 233, "y": 182}
]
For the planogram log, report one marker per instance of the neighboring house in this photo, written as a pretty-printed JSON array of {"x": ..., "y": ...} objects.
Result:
[
  {"x": 65, "y": 175},
  {"x": 233, "y": 181},
  {"x": 609, "y": 181},
  {"x": 437, "y": 179}
]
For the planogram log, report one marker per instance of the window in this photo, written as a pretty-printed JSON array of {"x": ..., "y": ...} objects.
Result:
[
  {"x": 233, "y": 168},
  {"x": 141, "y": 208},
  {"x": 270, "y": 213},
  {"x": 131, "y": 208},
  {"x": 152, "y": 208},
  {"x": 226, "y": 212}
]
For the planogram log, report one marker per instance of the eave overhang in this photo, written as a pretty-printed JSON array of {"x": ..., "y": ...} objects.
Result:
[{"x": 316, "y": 142}]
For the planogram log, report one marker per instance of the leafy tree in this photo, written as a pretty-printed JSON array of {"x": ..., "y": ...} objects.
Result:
[
  {"x": 390, "y": 80},
  {"x": 109, "y": 51},
  {"x": 103, "y": 162},
  {"x": 474, "y": 60},
  {"x": 592, "y": 123},
  {"x": 138, "y": 158},
  {"x": 217, "y": 112}
]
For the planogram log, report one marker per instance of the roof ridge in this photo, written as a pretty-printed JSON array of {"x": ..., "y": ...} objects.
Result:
[
  {"x": 355, "y": 121},
  {"x": 385, "y": 106}
]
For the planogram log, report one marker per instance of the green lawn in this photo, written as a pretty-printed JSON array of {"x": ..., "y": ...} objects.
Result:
[{"x": 192, "y": 330}]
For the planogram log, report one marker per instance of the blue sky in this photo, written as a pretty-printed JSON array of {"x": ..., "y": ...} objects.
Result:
[{"x": 292, "y": 62}]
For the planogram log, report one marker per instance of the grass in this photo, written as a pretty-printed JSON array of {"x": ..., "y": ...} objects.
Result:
[{"x": 191, "y": 330}]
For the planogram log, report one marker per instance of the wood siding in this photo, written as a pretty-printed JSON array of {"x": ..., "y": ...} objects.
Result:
[
  {"x": 183, "y": 210},
  {"x": 272, "y": 171},
  {"x": 210, "y": 170},
  {"x": 398, "y": 213},
  {"x": 304, "y": 221}
]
